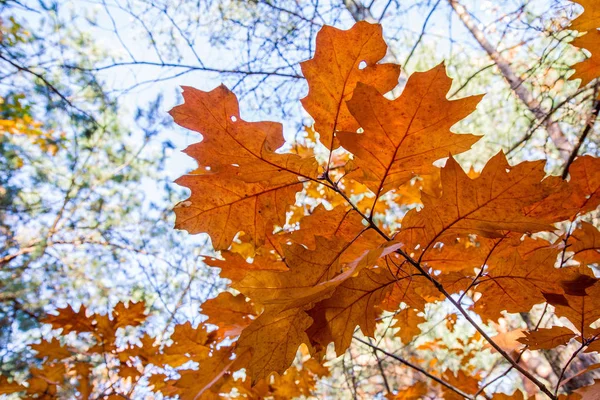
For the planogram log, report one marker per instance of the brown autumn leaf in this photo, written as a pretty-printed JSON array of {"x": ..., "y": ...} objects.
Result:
[
  {"x": 460, "y": 380},
  {"x": 588, "y": 69},
  {"x": 358, "y": 302},
  {"x": 494, "y": 202},
  {"x": 591, "y": 392},
  {"x": 201, "y": 383},
  {"x": 132, "y": 314},
  {"x": 341, "y": 60},
  {"x": 10, "y": 387},
  {"x": 401, "y": 137},
  {"x": 584, "y": 242},
  {"x": 581, "y": 194},
  {"x": 408, "y": 320},
  {"x": 52, "y": 349},
  {"x": 580, "y": 304},
  {"x": 414, "y": 392},
  {"x": 273, "y": 340},
  {"x": 312, "y": 275},
  {"x": 85, "y": 386},
  {"x": 517, "y": 395},
  {"x": 193, "y": 342},
  {"x": 241, "y": 184},
  {"x": 518, "y": 274},
  {"x": 589, "y": 19},
  {"x": 547, "y": 338},
  {"x": 70, "y": 321},
  {"x": 235, "y": 267},
  {"x": 231, "y": 313},
  {"x": 588, "y": 23}
]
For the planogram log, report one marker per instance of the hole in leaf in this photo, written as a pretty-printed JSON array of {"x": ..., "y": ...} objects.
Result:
[
  {"x": 360, "y": 130},
  {"x": 233, "y": 118},
  {"x": 362, "y": 65}
]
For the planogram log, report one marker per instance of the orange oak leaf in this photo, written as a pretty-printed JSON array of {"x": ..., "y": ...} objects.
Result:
[
  {"x": 403, "y": 137},
  {"x": 518, "y": 275},
  {"x": 590, "y": 392},
  {"x": 52, "y": 349},
  {"x": 85, "y": 387},
  {"x": 356, "y": 302},
  {"x": 584, "y": 182},
  {"x": 313, "y": 275},
  {"x": 588, "y": 69},
  {"x": 584, "y": 242},
  {"x": 241, "y": 184},
  {"x": 231, "y": 313},
  {"x": 580, "y": 195},
  {"x": 494, "y": 202},
  {"x": 581, "y": 305},
  {"x": 460, "y": 380},
  {"x": 341, "y": 223},
  {"x": 508, "y": 341},
  {"x": 70, "y": 321},
  {"x": 408, "y": 321},
  {"x": 203, "y": 382},
  {"x": 10, "y": 387},
  {"x": 588, "y": 22},
  {"x": 234, "y": 267},
  {"x": 45, "y": 380},
  {"x": 131, "y": 315},
  {"x": 590, "y": 18},
  {"x": 517, "y": 395},
  {"x": 273, "y": 340},
  {"x": 414, "y": 392},
  {"x": 341, "y": 60},
  {"x": 191, "y": 342},
  {"x": 547, "y": 338}
]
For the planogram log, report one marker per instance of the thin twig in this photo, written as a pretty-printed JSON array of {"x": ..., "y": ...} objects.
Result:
[
  {"x": 381, "y": 370},
  {"x": 415, "y": 367},
  {"x": 589, "y": 125},
  {"x": 516, "y": 83},
  {"x": 448, "y": 296}
]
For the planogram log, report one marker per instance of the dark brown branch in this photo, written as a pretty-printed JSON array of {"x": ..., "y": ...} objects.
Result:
[
  {"x": 447, "y": 295},
  {"x": 516, "y": 83},
  {"x": 49, "y": 85},
  {"x": 381, "y": 370},
  {"x": 412, "y": 51},
  {"x": 589, "y": 125},
  {"x": 415, "y": 367}
]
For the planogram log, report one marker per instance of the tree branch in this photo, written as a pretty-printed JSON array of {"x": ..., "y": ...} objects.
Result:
[
  {"x": 417, "y": 265},
  {"x": 516, "y": 83},
  {"x": 589, "y": 125},
  {"x": 415, "y": 367}
]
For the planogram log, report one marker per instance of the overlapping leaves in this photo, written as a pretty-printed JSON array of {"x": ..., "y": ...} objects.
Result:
[{"x": 314, "y": 281}]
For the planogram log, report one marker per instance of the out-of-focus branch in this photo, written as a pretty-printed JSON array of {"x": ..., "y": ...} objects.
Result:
[
  {"x": 274, "y": 72},
  {"x": 415, "y": 367},
  {"x": 589, "y": 124},
  {"x": 557, "y": 136}
]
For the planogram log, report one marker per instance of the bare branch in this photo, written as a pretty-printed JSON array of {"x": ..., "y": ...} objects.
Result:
[{"x": 516, "y": 83}]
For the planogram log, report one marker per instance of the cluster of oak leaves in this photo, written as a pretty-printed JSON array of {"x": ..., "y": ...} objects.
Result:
[{"x": 510, "y": 234}]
